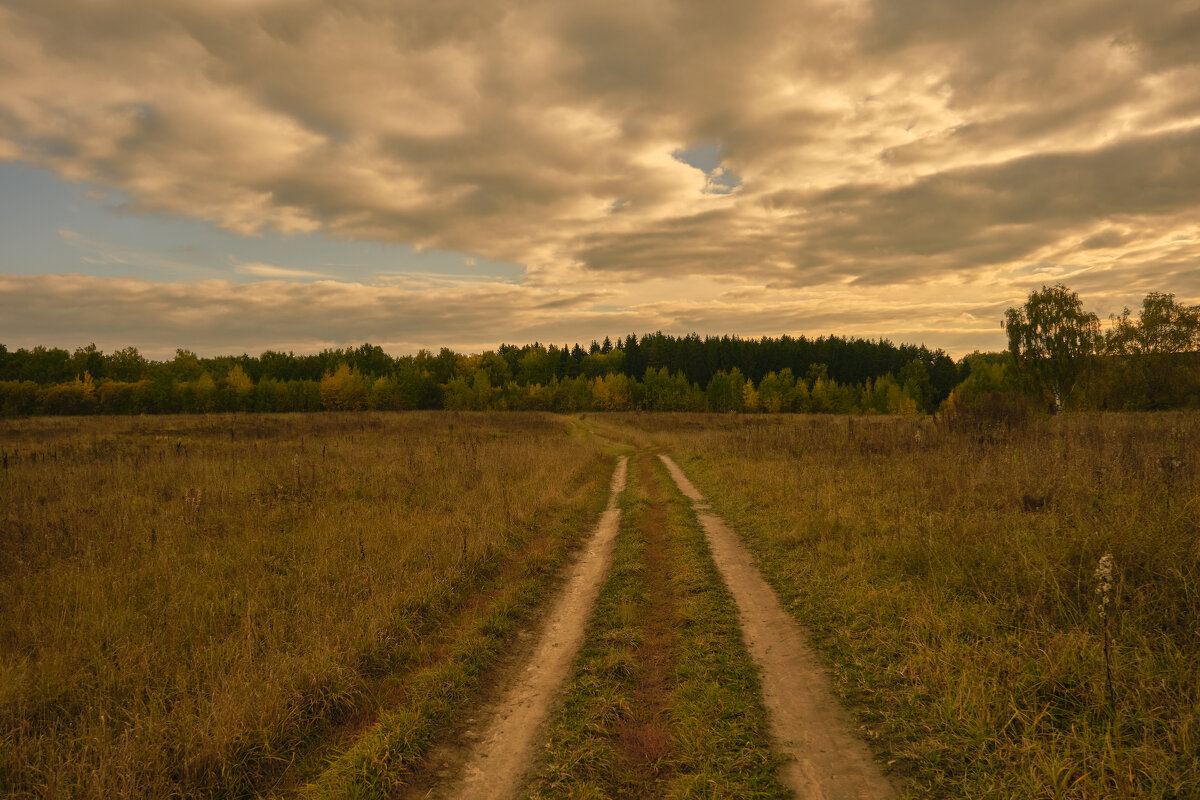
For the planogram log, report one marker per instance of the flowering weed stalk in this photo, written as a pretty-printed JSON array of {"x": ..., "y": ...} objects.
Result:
[{"x": 1103, "y": 575}]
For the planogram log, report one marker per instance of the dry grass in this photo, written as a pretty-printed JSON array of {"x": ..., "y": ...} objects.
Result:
[
  {"x": 191, "y": 602},
  {"x": 949, "y": 578}
]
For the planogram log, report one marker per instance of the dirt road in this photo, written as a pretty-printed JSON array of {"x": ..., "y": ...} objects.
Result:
[
  {"x": 829, "y": 761},
  {"x": 497, "y": 764}
]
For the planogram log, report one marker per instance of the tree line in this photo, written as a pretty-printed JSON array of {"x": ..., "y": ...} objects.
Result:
[{"x": 652, "y": 372}]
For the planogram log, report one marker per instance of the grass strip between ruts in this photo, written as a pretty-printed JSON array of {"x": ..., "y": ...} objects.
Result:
[{"x": 664, "y": 699}]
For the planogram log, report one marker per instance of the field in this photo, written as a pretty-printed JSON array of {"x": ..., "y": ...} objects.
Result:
[
  {"x": 232, "y": 606},
  {"x": 209, "y": 606},
  {"x": 949, "y": 580}
]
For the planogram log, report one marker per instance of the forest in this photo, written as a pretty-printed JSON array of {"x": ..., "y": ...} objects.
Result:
[
  {"x": 1058, "y": 358},
  {"x": 654, "y": 372}
]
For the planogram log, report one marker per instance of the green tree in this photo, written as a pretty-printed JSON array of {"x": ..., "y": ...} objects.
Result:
[
  {"x": 536, "y": 366},
  {"x": 368, "y": 359},
  {"x": 240, "y": 389},
  {"x": 88, "y": 360},
  {"x": 126, "y": 365},
  {"x": 18, "y": 398},
  {"x": 201, "y": 395},
  {"x": 270, "y": 395},
  {"x": 499, "y": 373},
  {"x": 185, "y": 366},
  {"x": 573, "y": 394},
  {"x": 725, "y": 391},
  {"x": 1153, "y": 362},
  {"x": 612, "y": 392},
  {"x": 773, "y": 391},
  {"x": 1052, "y": 340},
  {"x": 344, "y": 390},
  {"x": 915, "y": 381},
  {"x": 385, "y": 395},
  {"x": 1164, "y": 327},
  {"x": 442, "y": 367},
  {"x": 458, "y": 395},
  {"x": 886, "y": 396},
  {"x": 750, "y": 401}
]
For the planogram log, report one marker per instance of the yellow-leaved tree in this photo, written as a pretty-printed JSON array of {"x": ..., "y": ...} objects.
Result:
[
  {"x": 344, "y": 390},
  {"x": 240, "y": 388}
]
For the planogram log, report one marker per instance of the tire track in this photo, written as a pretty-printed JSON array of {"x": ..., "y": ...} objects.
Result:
[
  {"x": 828, "y": 762},
  {"x": 498, "y": 762}
]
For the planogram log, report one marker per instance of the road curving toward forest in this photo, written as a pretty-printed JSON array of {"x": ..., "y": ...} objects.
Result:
[
  {"x": 826, "y": 760},
  {"x": 496, "y": 765}
]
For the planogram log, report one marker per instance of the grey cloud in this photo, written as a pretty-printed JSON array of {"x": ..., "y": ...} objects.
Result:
[
  {"x": 1109, "y": 237},
  {"x": 1076, "y": 114},
  {"x": 218, "y": 316},
  {"x": 996, "y": 45},
  {"x": 983, "y": 216},
  {"x": 479, "y": 128},
  {"x": 579, "y": 301}
]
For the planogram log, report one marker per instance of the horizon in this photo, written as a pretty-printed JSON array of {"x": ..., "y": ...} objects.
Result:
[{"x": 616, "y": 342}]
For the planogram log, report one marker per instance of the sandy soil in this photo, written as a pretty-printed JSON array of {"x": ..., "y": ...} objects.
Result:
[
  {"x": 496, "y": 765},
  {"x": 828, "y": 762}
]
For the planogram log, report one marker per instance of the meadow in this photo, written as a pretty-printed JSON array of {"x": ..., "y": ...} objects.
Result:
[
  {"x": 215, "y": 606},
  {"x": 299, "y": 605},
  {"x": 949, "y": 578}
]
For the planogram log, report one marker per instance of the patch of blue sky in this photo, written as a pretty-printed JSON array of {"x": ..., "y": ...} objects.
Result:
[
  {"x": 706, "y": 157},
  {"x": 48, "y": 225}
]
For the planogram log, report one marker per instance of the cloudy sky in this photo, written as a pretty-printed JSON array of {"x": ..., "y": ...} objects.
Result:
[{"x": 237, "y": 175}]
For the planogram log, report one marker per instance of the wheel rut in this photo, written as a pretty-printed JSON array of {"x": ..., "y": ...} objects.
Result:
[
  {"x": 827, "y": 761},
  {"x": 496, "y": 765}
]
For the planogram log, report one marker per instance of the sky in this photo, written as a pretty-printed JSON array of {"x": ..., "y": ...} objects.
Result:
[{"x": 233, "y": 176}]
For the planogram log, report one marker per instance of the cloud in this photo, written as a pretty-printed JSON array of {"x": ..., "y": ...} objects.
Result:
[
  {"x": 842, "y": 147},
  {"x": 268, "y": 271}
]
